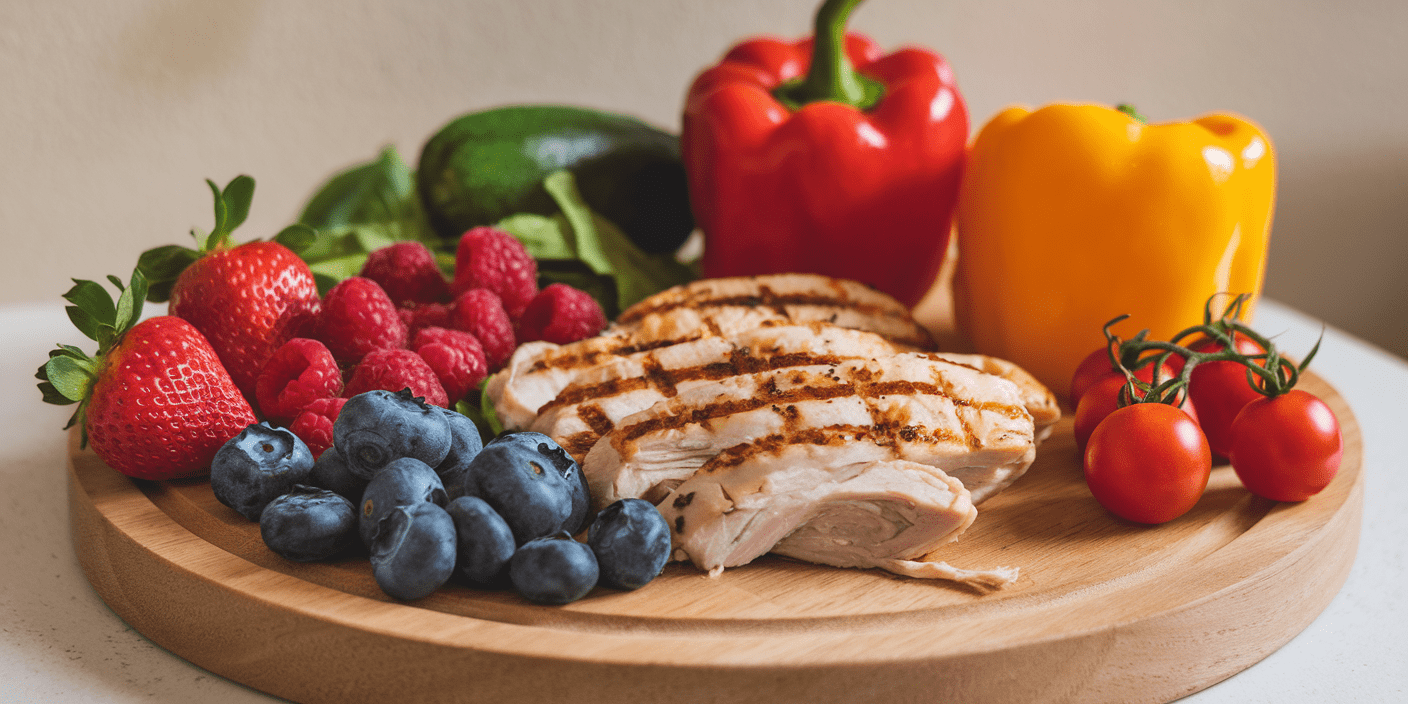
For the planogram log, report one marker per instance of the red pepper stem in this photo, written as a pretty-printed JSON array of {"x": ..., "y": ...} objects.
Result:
[{"x": 831, "y": 76}]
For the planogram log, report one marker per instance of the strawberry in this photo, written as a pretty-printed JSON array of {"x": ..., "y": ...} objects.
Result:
[
  {"x": 155, "y": 402},
  {"x": 246, "y": 299}
]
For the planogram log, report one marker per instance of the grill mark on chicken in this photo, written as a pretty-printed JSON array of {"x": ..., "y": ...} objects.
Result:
[
  {"x": 595, "y": 419},
  {"x": 775, "y": 443},
  {"x": 601, "y": 349},
  {"x": 765, "y": 298},
  {"x": 666, "y": 381},
  {"x": 579, "y": 444},
  {"x": 771, "y": 395}
]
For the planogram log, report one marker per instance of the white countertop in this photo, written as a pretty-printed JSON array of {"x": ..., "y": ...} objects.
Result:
[{"x": 60, "y": 643}]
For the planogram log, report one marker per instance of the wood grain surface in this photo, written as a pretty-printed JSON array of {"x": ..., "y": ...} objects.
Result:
[{"x": 1104, "y": 611}]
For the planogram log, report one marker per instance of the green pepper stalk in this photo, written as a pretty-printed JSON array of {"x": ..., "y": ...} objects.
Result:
[{"x": 831, "y": 76}]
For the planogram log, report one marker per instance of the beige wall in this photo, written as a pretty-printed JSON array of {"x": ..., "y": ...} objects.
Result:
[{"x": 112, "y": 113}]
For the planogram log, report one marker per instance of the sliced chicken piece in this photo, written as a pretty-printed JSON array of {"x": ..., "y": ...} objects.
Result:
[
  {"x": 601, "y": 397},
  {"x": 1038, "y": 400},
  {"x": 837, "y": 503},
  {"x": 970, "y": 424},
  {"x": 727, "y": 305},
  {"x": 538, "y": 371}
]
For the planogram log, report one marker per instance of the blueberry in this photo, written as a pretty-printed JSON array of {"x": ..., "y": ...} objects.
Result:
[
  {"x": 485, "y": 543},
  {"x": 414, "y": 551},
  {"x": 523, "y": 487},
  {"x": 330, "y": 472},
  {"x": 631, "y": 541},
  {"x": 402, "y": 483},
  {"x": 465, "y": 445},
  {"x": 377, "y": 427},
  {"x": 309, "y": 524},
  {"x": 553, "y": 570},
  {"x": 257, "y": 466},
  {"x": 568, "y": 467}
]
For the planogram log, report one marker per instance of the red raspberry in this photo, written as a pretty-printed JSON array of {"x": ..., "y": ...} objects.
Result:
[
  {"x": 408, "y": 273},
  {"x": 424, "y": 315},
  {"x": 491, "y": 258},
  {"x": 394, "y": 370},
  {"x": 314, "y": 423},
  {"x": 456, "y": 356},
  {"x": 301, "y": 371},
  {"x": 358, "y": 317},
  {"x": 480, "y": 313},
  {"x": 561, "y": 314}
]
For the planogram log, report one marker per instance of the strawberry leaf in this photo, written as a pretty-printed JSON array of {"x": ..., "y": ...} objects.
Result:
[
  {"x": 86, "y": 324},
  {"x": 69, "y": 377},
  {"x": 161, "y": 267},
  {"x": 93, "y": 299},
  {"x": 205, "y": 241},
  {"x": 52, "y": 395},
  {"x": 129, "y": 304},
  {"x": 238, "y": 195}
]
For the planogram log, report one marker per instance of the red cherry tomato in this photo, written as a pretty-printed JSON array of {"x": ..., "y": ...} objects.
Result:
[
  {"x": 1096, "y": 366},
  {"x": 1219, "y": 390},
  {"x": 1287, "y": 447},
  {"x": 1102, "y": 399},
  {"x": 1147, "y": 463}
]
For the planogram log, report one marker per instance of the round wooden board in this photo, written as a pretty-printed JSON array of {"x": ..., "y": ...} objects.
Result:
[{"x": 1105, "y": 610}]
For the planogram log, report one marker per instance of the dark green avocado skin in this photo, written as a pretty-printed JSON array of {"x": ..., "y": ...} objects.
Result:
[{"x": 485, "y": 166}]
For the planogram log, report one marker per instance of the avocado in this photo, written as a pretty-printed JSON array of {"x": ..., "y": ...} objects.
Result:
[{"x": 485, "y": 166}]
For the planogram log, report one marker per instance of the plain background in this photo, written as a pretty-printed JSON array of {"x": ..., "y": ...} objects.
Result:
[{"x": 113, "y": 114}]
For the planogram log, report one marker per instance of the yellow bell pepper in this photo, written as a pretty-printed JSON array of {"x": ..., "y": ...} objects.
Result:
[{"x": 1071, "y": 215}]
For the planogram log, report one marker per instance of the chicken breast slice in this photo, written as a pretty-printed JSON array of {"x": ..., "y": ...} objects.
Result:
[
  {"x": 970, "y": 424},
  {"x": 600, "y": 398},
  {"x": 837, "y": 504}
]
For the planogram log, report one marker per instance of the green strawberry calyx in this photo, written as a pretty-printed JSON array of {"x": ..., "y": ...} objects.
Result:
[
  {"x": 163, "y": 265},
  {"x": 69, "y": 374}
]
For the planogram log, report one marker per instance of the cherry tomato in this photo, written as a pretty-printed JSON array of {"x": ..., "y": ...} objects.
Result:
[
  {"x": 1096, "y": 366},
  {"x": 1287, "y": 447},
  {"x": 1102, "y": 399},
  {"x": 1220, "y": 390},
  {"x": 1147, "y": 463}
]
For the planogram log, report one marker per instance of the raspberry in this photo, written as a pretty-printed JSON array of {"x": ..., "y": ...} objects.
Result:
[
  {"x": 455, "y": 355},
  {"x": 300, "y": 371},
  {"x": 393, "y": 370},
  {"x": 408, "y": 273},
  {"x": 314, "y": 423},
  {"x": 493, "y": 259},
  {"x": 424, "y": 315},
  {"x": 479, "y": 312},
  {"x": 358, "y": 317},
  {"x": 561, "y": 314}
]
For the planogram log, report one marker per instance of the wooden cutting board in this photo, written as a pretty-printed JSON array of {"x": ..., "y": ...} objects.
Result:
[{"x": 1104, "y": 610}]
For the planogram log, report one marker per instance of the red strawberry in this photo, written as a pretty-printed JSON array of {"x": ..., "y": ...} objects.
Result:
[
  {"x": 155, "y": 403},
  {"x": 358, "y": 317},
  {"x": 243, "y": 298}
]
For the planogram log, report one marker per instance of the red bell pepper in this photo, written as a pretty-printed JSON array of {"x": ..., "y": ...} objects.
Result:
[{"x": 840, "y": 160}]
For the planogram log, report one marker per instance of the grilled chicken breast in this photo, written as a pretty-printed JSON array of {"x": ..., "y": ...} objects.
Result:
[
  {"x": 538, "y": 371},
  {"x": 730, "y": 305},
  {"x": 970, "y": 424},
  {"x": 835, "y": 503},
  {"x": 599, "y": 398}
]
